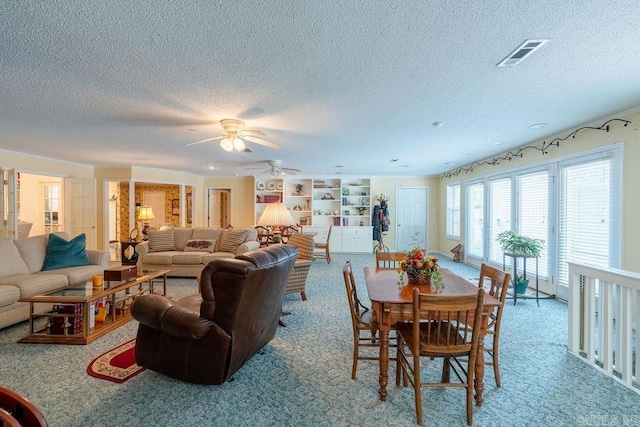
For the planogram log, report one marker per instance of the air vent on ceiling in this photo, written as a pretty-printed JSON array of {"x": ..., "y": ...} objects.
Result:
[{"x": 522, "y": 52}]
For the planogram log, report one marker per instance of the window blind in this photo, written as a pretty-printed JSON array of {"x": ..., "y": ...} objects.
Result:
[
  {"x": 532, "y": 193},
  {"x": 475, "y": 220},
  {"x": 453, "y": 210},
  {"x": 499, "y": 201}
]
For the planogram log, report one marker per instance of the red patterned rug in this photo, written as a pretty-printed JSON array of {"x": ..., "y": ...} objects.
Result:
[{"x": 118, "y": 364}]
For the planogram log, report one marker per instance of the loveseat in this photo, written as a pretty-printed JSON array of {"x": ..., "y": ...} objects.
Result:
[
  {"x": 187, "y": 250},
  {"x": 22, "y": 275},
  {"x": 205, "y": 338}
]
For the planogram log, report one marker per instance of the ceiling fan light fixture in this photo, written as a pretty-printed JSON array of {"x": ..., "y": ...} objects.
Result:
[
  {"x": 238, "y": 144},
  {"x": 227, "y": 144}
]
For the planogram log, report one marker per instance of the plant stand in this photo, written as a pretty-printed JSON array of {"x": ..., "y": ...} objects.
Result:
[{"x": 524, "y": 273}]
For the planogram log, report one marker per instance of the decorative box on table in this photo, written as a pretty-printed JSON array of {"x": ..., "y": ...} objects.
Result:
[{"x": 120, "y": 273}]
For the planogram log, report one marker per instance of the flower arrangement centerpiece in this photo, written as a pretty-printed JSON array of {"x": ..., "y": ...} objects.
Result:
[{"x": 421, "y": 268}]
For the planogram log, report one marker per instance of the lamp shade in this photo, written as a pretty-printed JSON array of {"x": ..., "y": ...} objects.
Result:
[
  {"x": 146, "y": 213},
  {"x": 276, "y": 214}
]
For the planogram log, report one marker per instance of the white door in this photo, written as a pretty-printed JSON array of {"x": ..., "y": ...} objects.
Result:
[
  {"x": 411, "y": 218},
  {"x": 8, "y": 204},
  {"x": 219, "y": 207},
  {"x": 80, "y": 208}
]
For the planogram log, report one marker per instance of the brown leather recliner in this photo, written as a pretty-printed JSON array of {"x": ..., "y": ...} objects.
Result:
[{"x": 206, "y": 338}]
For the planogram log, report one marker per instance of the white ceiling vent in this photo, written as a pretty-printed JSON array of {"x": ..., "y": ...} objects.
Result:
[{"x": 522, "y": 52}]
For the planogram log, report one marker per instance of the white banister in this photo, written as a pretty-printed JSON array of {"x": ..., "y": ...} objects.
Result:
[{"x": 603, "y": 304}]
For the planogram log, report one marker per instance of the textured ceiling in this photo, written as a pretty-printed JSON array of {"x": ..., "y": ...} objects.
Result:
[{"x": 352, "y": 84}]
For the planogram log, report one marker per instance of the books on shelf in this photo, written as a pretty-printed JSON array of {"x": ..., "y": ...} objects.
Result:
[{"x": 61, "y": 324}]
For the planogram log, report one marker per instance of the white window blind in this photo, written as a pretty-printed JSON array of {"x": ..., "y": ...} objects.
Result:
[
  {"x": 499, "y": 201},
  {"x": 589, "y": 206},
  {"x": 475, "y": 220},
  {"x": 532, "y": 192},
  {"x": 453, "y": 210}
]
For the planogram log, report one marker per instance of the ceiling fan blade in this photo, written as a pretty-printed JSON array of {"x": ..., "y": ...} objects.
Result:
[
  {"x": 252, "y": 132},
  {"x": 205, "y": 140},
  {"x": 262, "y": 142},
  {"x": 291, "y": 169}
]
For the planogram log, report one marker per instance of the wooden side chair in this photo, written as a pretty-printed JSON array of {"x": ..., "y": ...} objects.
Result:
[
  {"x": 287, "y": 232},
  {"x": 363, "y": 322},
  {"x": 438, "y": 330},
  {"x": 17, "y": 410},
  {"x": 497, "y": 287},
  {"x": 324, "y": 248},
  {"x": 264, "y": 237},
  {"x": 389, "y": 259}
]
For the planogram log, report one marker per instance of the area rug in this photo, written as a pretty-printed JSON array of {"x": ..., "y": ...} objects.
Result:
[{"x": 118, "y": 364}]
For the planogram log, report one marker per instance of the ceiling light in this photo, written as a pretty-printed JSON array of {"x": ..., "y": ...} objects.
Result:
[
  {"x": 227, "y": 144},
  {"x": 211, "y": 167},
  {"x": 538, "y": 125},
  {"x": 238, "y": 144},
  {"x": 448, "y": 163},
  {"x": 437, "y": 124},
  {"x": 496, "y": 143}
]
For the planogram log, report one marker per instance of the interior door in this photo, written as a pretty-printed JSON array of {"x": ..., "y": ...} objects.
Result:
[
  {"x": 411, "y": 218},
  {"x": 9, "y": 211},
  {"x": 219, "y": 207},
  {"x": 80, "y": 208}
]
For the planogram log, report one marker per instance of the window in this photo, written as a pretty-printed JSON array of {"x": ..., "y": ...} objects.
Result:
[
  {"x": 532, "y": 193},
  {"x": 589, "y": 213},
  {"x": 475, "y": 220},
  {"x": 499, "y": 202},
  {"x": 453, "y": 211}
]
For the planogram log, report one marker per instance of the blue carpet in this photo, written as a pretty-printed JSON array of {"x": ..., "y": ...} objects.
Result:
[{"x": 304, "y": 376}]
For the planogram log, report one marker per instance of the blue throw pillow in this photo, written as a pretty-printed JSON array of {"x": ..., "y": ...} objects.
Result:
[{"x": 61, "y": 254}]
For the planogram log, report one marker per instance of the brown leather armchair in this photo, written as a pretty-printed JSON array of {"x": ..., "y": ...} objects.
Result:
[{"x": 205, "y": 338}]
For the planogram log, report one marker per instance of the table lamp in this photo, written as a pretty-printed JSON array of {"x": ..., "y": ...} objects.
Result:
[
  {"x": 146, "y": 213},
  {"x": 276, "y": 215}
]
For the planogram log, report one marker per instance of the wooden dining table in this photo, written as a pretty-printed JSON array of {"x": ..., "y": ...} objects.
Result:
[{"x": 392, "y": 302}]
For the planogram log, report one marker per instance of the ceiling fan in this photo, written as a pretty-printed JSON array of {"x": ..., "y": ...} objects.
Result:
[
  {"x": 233, "y": 132},
  {"x": 275, "y": 169}
]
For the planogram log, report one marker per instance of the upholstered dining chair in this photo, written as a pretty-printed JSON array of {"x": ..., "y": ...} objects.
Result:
[
  {"x": 438, "y": 330},
  {"x": 497, "y": 287},
  {"x": 363, "y": 322},
  {"x": 389, "y": 259},
  {"x": 324, "y": 248}
]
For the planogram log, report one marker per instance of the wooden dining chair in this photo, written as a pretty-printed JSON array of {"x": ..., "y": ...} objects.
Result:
[
  {"x": 324, "y": 247},
  {"x": 363, "y": 322},
  {"x": 497, "y": 288},
  {"x": 438, "y": 330},
  {"x": 389, "y": 259},
  {"x": 264, "y": 237},
  {"x": 287, "y": 232}
]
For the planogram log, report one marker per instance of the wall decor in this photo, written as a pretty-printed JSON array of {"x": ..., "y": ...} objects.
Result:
[{"x": 175, "y": 206}]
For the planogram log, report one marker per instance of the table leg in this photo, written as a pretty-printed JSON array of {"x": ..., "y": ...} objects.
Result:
[
  {"x": 479, "y": 368},
  {"x": 384, "y": 362}
]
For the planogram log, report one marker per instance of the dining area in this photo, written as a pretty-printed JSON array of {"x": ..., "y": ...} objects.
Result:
[{"x": 411, "y": 324}]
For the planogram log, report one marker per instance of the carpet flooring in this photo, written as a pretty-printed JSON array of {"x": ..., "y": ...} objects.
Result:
[{"x": 303, "y": 378}]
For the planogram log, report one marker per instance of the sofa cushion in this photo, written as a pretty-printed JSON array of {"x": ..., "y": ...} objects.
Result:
[
  {"x": 160, "y": 258},
  {"x": 188, "y": 258},
  {"x": 231, "y": 239},
  {"x": 207, "y": 258},
  {"x": 9, "y": 295},
  {"x": 204, "y": 245},
  {"x": 78, "y": 275},
  {"x": 33, "y": 251},
  {"x": 161, "y": 240},
  {"x": 62, "y": 253},
  {"x": 181, "y": 236},
  {"x": 37, "y": 283},
  {"x": 207, "y": 233},
  {"x": 12, "y": 262}
]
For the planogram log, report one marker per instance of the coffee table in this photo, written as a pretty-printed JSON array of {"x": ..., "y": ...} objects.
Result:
[{"x": 73, "y": 320}]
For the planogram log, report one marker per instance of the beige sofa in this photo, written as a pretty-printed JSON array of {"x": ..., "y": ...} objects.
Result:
[
  {"x": 187, "y": 250},
  {"x": 21, "y": 274}
]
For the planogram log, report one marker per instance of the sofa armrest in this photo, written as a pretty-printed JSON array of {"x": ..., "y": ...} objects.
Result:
[
  {"x": 97, "y": 257},
  {"x": 162, "y": 314},
  {"x": 142, "y": 249},
  {"x": 250, "y": 245}
]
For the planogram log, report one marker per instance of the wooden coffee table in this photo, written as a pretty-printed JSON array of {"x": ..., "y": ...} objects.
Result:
[{"x": 74, "y": 320}]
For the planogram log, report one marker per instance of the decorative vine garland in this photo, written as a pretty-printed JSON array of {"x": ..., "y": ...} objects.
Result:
[{"x": 518, "y": 153}]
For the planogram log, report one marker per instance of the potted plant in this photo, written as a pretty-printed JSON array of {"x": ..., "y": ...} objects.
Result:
[
  {"x": 520, "y": 284},
  {"x": 516, "y": 244}
]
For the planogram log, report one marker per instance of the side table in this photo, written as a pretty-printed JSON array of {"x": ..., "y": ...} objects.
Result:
[{"x": 128, "y": 253}]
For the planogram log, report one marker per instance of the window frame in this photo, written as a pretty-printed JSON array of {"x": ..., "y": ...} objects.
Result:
[{"x": 452, "y": 209}]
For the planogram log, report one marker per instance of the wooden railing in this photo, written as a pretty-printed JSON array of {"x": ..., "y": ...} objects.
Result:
[{"x": 602, "y": 323}]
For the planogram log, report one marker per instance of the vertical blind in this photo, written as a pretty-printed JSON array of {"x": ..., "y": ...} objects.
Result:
[
  {"x": 475, "y": 219},
  {"x": 499, "y": 200},
  {"x": 453, "y": 210},
  {"x": 588, "y": 206}
]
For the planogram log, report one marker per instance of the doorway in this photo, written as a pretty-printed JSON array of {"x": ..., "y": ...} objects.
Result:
[
  {"x": 411, "y": 218},
  {"x": 219, "y": 206}
]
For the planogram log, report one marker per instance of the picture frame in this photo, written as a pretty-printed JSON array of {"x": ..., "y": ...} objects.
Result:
[{"x": 175, "y": 207}]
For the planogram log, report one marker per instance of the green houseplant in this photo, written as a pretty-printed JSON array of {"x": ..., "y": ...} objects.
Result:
[
  {"x": 520, "y": 284},
  {"x": 514, "y": 243}
]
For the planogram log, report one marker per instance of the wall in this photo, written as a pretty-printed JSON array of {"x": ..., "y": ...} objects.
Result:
[
  {"x": 242, "y": 198},
  {"x": 584, "y": 140}
]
